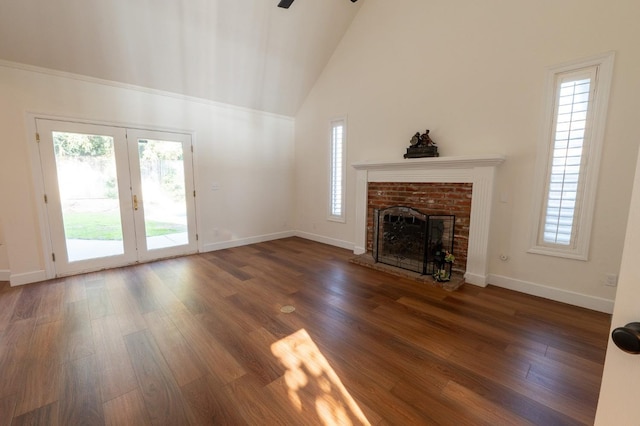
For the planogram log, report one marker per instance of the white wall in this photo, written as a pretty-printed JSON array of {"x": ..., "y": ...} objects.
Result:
[
  {"x": 618, "y": 393},
  {"x": 474, "y": 73},
  {"x": 248, "y": 154}
]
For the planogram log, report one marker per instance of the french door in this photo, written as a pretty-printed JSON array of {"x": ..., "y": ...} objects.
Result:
[{"x": 115, "y": 196}]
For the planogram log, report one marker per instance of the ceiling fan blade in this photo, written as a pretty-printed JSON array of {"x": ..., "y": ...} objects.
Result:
[{"x": 285, "y": 4}]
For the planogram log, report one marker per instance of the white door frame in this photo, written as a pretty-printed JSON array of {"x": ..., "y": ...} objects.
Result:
[{"x": 38, "y": 178}]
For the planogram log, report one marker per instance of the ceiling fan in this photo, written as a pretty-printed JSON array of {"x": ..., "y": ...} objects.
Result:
[{"x": 286, "y": 3}]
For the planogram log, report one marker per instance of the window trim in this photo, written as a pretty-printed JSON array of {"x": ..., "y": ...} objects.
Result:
[
  {"x": 343, "y": 167},
  {"x": 578, "y": 249}
]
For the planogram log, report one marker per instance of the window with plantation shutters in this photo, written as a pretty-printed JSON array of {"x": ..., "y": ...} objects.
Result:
[
  {"x": 570, "y": 136},
  {"x": 578, "y": 96},
  {"x": 337, "y": 170}
]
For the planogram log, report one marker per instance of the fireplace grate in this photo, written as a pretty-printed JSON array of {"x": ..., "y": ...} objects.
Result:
[{"x": 407, "y": 238}]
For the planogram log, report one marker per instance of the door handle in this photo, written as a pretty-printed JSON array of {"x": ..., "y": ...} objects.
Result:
[
  {"x": 135, "y": 202},
  {"x": 627, "y": 338}
]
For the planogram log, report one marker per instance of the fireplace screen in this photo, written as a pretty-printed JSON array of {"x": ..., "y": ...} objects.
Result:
[{"x": 408, "y": 239}]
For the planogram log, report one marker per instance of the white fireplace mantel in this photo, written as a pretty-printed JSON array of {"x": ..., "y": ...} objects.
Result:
[{"x": 478, "y": 170}]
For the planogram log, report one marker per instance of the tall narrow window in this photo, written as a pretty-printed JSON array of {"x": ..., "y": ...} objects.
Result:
[
  {"x": 575, "y": 129},
  {"x": 574, "y": 91},
  {"x": 337, "y": 170}
]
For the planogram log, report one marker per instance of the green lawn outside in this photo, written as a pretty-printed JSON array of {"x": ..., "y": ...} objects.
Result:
[{"x": 106, "y": 226}]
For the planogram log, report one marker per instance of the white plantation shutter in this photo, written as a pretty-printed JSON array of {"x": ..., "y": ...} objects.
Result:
[
  {"x": 337, "y": 172},
  {"x": 569, "y": 156},
  {"x": 570, "y": 139}
]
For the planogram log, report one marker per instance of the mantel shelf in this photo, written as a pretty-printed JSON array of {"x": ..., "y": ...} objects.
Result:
[{"x": 465, "y": 162}]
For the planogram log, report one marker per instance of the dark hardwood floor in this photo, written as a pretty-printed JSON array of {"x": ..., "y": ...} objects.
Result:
[{"x": 202, "y": 340}]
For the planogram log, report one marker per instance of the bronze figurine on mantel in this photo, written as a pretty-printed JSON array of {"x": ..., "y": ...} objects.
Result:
[{"x": 422, "y": 146}]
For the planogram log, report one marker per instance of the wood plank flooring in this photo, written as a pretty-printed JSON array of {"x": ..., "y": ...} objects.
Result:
[{"x": 201, "y": 340}]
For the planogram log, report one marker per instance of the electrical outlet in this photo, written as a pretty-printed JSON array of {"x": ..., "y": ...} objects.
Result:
[{"x": 611, "y": 280}]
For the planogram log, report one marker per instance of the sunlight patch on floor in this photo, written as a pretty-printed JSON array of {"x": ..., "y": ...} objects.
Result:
[{"x": 310, "y": 377}]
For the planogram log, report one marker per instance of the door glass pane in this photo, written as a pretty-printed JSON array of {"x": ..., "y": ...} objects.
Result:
[
  {"x": 86, "y": 169},
  {"x": 163, "y": 193}
]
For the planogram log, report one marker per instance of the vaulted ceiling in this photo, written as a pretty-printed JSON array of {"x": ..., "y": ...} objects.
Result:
[{"x": 248, "y": 53}]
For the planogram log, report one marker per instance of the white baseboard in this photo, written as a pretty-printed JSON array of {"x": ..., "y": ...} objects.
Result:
[
  {"x": 246, "y": 241},
  {"x": 27, "y": 278},
  {"x": 277, "y": 236},
  {"x": 475, "y": 279},
  {"x": 357, "y": 250},
  {"x": 565, "y": 296},
  {"x": 5, "y": 275},
  {"x": 325, "y": 240}
]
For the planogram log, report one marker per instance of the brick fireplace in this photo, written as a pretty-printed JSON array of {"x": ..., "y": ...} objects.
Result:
[
  {"x": 431, "y": 199},
  {"x": 462, "y": 186}
]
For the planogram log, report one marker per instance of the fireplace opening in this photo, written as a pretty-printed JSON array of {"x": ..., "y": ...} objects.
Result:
[{"x": 407, "y": 238}]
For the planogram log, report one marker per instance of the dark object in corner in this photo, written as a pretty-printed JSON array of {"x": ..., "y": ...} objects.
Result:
[
  {"x": 286, "y": 3},
  {"x": 422, "y": 146}
]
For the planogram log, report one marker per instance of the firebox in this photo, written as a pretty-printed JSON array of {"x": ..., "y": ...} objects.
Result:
[{"x": 407, "y": 238}]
